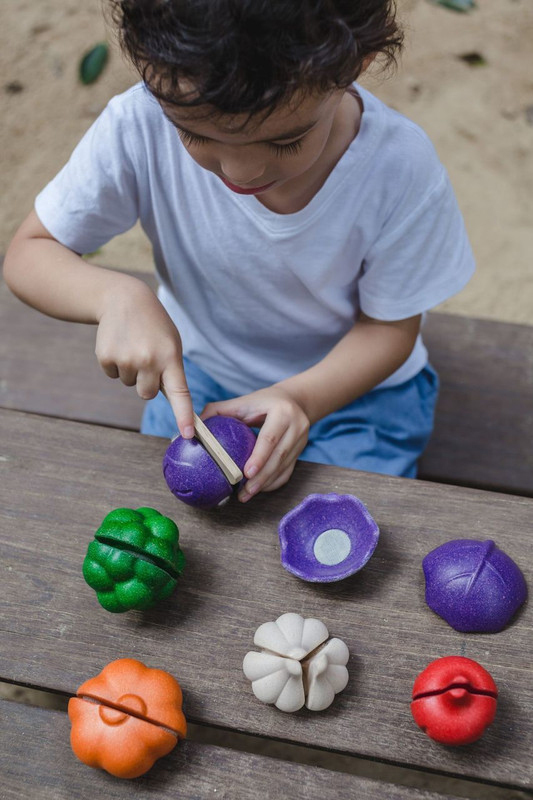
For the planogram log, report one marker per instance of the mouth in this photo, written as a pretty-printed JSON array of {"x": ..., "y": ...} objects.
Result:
[{"x": 245, "y": 190}]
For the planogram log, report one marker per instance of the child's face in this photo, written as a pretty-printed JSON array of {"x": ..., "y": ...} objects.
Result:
[{"x": 289, "y": 149}]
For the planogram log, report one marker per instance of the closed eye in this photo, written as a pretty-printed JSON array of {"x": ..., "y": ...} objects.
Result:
[
  {"x": 190, "y": 138},
  {"x": 287, "y": 149},
  {"x": 280, "y": 150}
]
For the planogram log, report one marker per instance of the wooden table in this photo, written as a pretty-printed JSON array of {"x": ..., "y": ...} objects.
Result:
[
  {"x": 58, "y": 479},
  {"x": 483, "y": 433}
]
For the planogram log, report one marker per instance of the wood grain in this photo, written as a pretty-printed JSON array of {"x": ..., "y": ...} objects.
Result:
[
  {"x": 58, "y": 480},
  {"x": 484, "y": 426},
  {"x": 483, "y": 430},
  {"x": 36, "y": 762}
]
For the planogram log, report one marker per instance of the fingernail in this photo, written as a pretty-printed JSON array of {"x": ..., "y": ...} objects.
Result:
[
  {"x": 252, "y": 488},
  {"x": 188, "y": 433},
  {"x": 251, "y": 471},
  {"x": 244, "y": 497}
]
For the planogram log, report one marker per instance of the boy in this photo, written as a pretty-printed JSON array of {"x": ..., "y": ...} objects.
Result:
[{"x": 300, "y": 230}]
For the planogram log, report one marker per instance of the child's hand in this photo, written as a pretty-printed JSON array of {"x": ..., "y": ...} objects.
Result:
[
  {"x": 283, "y": 436},
  {"x": 138, "y": 343}
]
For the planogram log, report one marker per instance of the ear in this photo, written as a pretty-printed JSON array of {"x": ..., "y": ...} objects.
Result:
[{"x": 367, "y": 61}]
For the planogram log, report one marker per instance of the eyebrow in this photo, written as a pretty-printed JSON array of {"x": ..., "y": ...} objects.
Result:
[{"x": 292, "y": 134}]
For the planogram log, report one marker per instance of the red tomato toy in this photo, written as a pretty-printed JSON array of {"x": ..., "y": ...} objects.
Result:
[{"x": 454, "y": 700}]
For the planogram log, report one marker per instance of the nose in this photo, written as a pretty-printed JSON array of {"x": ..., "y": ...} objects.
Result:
[{"x": 241, "y": 169}]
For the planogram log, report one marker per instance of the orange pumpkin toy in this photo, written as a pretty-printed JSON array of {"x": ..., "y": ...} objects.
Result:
[{"x": 126, "y": 718}]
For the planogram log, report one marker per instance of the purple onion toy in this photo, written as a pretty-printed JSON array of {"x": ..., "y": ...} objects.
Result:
[
  {"x": 327, "y": 537},
  {"x": 193, "y": 476},
  {"x": 473, "y": 585}
]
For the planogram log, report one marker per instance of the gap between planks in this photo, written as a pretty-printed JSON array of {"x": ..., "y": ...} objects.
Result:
[{"x": 300, "y": 754}]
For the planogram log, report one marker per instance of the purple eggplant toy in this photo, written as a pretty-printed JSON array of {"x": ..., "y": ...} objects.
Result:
[
  {"x": 191, "y": 473},
  {"x": 473, "y": 585}
]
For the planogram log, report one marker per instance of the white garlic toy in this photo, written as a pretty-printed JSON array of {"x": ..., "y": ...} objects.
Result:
[{"x": 297, "y": 665}]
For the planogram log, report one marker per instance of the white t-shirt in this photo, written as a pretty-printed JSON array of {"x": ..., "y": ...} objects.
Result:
[{"x": 258, "y": 296}]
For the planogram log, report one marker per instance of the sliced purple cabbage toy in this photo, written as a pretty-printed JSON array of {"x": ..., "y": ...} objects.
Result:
[
  {"x": 193, "y": 476},
  {"x": 473, "y": 585},
  {"x": 327, "y": 537}
]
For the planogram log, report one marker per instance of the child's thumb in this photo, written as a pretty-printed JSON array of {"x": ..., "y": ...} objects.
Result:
[{"x": 222, "y": 408}]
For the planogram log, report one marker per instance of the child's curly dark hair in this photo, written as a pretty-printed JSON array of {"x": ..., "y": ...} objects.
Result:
[{"x": 247, "y": 56}]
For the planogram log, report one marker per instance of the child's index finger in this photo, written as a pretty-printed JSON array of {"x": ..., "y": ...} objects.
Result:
[{"x": 174, "y": 387}]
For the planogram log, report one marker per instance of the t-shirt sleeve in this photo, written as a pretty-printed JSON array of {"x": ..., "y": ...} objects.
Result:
[
  {"x": 94, "y": 197},
  {"x": 421, "y": 257}
]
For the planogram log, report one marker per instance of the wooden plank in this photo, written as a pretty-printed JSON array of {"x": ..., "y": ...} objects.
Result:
[
  {"x": 48, "y": 367},
  {"x": 484, "y": 426},
  {"x": 36, "y": 761},
  {"x": 58, "y": 480}
]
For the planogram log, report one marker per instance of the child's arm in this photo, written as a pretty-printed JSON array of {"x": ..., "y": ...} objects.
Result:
[
  {"x": 370, "y": 352},
  {"x": 136, "y": 339}
]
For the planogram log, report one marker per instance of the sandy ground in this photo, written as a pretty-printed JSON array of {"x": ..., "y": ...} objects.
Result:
[{"x": 479, "y": 117}]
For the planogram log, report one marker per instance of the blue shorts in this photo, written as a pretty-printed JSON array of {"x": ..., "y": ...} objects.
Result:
[{"x": 383, "y": 431}]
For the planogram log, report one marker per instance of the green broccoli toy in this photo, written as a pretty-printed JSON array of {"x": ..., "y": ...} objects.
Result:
[{"x": 135, "y": 559}]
